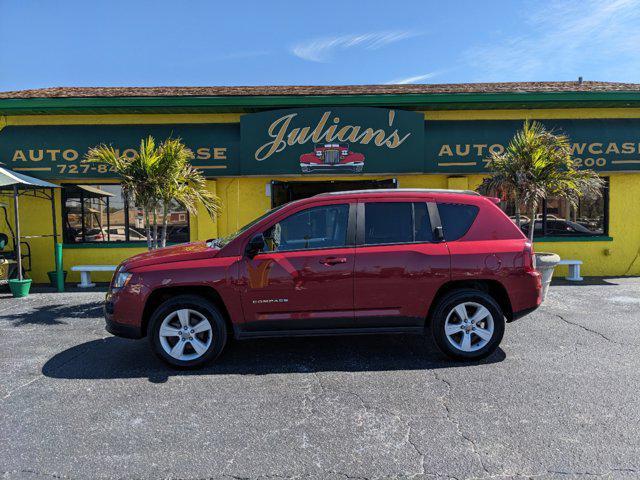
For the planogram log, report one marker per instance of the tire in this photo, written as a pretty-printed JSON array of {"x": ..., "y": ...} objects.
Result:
[
  {"x": 474, "y": 340},
  {"x": 191, "y": 348}
]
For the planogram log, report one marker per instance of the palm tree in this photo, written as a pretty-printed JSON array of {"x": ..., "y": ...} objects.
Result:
[
  {"x": 156, "y": 176},
  {"x": 182, "y": 183},
  {"x": 537, "y": 164}
]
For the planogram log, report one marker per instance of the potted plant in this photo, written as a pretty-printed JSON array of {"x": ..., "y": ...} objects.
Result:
[{"x": 537, "y": 164}]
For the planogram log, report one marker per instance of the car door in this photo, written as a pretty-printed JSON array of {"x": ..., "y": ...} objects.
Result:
[
  {"x": 400, "y": 264},
  {"x": 303, "y": 278}
]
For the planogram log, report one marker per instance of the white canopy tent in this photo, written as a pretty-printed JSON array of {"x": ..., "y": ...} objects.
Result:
[{"x": 16, "y": 183}]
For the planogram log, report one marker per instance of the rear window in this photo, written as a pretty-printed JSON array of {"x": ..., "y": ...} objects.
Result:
[{"x": 456, "y": 219}]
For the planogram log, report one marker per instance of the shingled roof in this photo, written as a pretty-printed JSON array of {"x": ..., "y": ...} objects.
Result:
[{"x": 453, "y": 88}]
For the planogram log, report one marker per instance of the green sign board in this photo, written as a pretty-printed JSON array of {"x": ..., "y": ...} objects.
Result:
[
  {"x": 316, "y": 141},
  {"x": 465, "y": 146},
  {"x": 332, "y": 141},
  {"x": 57, "y": 151}
]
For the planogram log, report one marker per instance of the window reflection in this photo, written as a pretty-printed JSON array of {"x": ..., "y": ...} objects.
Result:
[
  {"x": 100, "y": 213},
  {"x": 555, "y": 217}
]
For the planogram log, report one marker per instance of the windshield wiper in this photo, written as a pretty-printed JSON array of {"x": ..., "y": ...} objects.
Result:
[{"x": 214, "y": 242}]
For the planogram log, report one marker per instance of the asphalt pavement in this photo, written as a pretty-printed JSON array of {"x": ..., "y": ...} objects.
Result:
[{"x": 560, "y": 399}]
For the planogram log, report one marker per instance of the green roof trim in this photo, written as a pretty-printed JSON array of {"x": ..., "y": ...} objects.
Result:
[
  {"x": 434, "y": 101},
  {"x": 568, "y": 239}
]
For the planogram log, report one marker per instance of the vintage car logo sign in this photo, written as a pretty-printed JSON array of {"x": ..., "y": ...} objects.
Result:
[{"x": 332, "y": 157}]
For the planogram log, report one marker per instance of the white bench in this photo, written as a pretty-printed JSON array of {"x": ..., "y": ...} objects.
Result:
[
  {"x": 574, "y": 269},
  {"x": 85, "y": 273}
]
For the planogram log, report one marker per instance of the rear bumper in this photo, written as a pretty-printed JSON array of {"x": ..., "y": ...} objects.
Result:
[
  {"x": 522, "y": 313},
  {"x": 525, "y": 293}
]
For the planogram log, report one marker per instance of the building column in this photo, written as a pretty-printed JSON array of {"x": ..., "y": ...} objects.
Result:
[{"x": 203, "y": 226}]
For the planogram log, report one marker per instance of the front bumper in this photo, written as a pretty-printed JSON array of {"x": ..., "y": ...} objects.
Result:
[
  {"x": 119, "y": 329},
  {"x": 333, "y": 167}
]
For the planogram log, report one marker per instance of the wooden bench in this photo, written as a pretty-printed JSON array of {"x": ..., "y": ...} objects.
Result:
[
  {"x": 85, "y": 273},
  {"x": 574, "y": 269}
]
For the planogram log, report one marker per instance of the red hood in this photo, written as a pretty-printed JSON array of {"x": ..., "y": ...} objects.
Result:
[{"x": 176, "y": 253}]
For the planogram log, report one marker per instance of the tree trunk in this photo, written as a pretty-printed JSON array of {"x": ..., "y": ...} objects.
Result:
[
  {"x": 532, "y": 224},
  {"x": 155, "y": 228},
  {"x": 147, "y": 228},
  {"x": 517, "y": 209},
  {"x": 165, "y": 208}
]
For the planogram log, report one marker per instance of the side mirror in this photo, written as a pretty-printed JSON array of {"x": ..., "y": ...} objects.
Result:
[
  {"x": 255, "y": 245},
  {"x": 438, "y": 233}
]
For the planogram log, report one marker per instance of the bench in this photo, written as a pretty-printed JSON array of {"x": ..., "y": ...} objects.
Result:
[
  {"x": 85, "y": 273},
  {"x": 574, "y": 269}
]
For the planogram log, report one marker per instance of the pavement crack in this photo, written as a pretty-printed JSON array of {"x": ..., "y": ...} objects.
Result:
[
  {"x": 43, "y": 474},
  {"x": 41, "y": 375},
  {"x": 456, "y": 424},
  {"x": 374, "y": 409},
  {"x": 590, "y": 330}
]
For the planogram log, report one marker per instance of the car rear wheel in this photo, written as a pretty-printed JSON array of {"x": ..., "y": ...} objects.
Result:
[
  {"x": 187, "y": 331},
  {"x": 467, "y": 325}
]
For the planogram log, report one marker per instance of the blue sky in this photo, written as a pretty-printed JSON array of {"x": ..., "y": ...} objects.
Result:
[{"x": 195, "y": 42}]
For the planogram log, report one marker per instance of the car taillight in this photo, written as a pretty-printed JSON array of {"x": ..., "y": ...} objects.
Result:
[{"x": 529, "y": 259}]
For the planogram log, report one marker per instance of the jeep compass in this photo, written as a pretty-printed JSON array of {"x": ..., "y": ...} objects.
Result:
[{"x": 446, "y": 263}]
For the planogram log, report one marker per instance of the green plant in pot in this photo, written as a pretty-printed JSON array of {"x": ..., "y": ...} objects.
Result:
[{"x": 537, "y": 164}]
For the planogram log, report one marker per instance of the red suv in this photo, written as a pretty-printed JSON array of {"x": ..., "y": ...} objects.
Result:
[{"x": 377, "y": 261}]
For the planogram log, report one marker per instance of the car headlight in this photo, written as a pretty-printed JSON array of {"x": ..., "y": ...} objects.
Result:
[
  {"x": 318, "y": 154},
  {"x": 121, "y": 279},
  {"x": 345, "y": 152}
]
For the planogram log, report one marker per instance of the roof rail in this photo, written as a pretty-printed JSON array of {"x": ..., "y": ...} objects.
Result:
[{"x": 402, "y": 190}]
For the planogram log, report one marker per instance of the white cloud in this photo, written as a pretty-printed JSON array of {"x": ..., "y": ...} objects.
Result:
[
  {"x": 414, "y": 79},
  {"x": 561, "y": 39},
  {"x": 322, "y": 49}
]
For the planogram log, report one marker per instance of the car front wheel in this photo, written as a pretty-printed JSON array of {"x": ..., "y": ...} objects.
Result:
[
  {"x": 187, "y": 331},
  {"x": 467, "y": 325}
]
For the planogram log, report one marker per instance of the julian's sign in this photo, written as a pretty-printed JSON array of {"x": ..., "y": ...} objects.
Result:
[
  {"x": 332, "y": 140},
  {"x": 316, "y": 141}
]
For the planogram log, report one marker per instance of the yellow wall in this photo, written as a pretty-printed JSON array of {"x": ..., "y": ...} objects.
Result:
[{"x": 245, "y": 198}]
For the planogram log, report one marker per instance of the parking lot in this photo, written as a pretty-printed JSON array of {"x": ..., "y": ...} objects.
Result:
[{"x": 559, "y": 399}]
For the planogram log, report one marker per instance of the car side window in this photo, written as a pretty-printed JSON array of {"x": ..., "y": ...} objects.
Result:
[
  {"x": 317, "y": 227},
  {"x": 456, "y": 219},
  {"x": 397, "y": 222}
]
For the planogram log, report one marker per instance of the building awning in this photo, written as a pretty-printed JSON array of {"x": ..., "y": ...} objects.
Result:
[
  {"x": 89, "y": 191},
  {"x": 9, "y": 178}
]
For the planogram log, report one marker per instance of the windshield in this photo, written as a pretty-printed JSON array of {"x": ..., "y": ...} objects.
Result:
[{"x": 222, "y": 241}]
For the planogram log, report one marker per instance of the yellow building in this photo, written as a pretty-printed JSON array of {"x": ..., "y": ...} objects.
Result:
[{"x": 263, "y": 146}]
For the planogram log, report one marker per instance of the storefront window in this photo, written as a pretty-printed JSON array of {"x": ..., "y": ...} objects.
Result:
[
  {"x": 99, "y": 213},
  {"x": 555, "y": 217}
]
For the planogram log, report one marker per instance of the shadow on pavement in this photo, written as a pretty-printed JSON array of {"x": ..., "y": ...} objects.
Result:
[
  {"x": 53, "y": 314},
  {"x": 589, "y": 281},
  {"x": 113, "y": 357}
]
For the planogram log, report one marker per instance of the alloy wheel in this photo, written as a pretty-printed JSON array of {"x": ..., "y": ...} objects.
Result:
[
  {"x": 185, "y": 334},
  {"x": 469, "y": 326}
]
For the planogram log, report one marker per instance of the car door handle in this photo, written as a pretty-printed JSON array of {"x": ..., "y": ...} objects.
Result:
[{"x": 333, "y": 260}]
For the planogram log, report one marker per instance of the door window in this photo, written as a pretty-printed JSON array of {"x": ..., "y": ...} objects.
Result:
[
  {"x": 397, "y": 222},
  {"x": 317, "y": 227}
]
